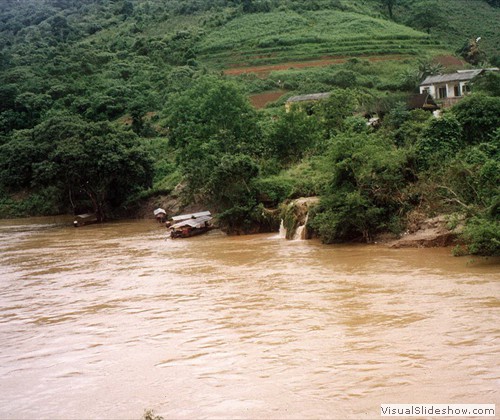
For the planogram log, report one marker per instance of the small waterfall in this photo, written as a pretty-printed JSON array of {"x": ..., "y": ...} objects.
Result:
[
  {"x": 296, "y": 213},
  {"x": 282, "y": 233},
  {"x": 301, "y": 232}
]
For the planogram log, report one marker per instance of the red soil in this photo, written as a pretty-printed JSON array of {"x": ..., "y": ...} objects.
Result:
[
  {"x": 264, "y": 70},
  {"x": 449, "y": 61},
  {"x": 260, "y": 100}
]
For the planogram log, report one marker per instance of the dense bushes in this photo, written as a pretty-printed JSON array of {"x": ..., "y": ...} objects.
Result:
[
  {"x": 365, "y": 189},
  {"x": 415, "y": 161},
  {"x": 482, "y": 236},
  {"x": 82, "y": 161},
  {"x": 479, "y": 116}
]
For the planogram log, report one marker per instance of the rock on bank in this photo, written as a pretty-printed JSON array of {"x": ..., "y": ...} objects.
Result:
[{"x": 434, "y": 232}]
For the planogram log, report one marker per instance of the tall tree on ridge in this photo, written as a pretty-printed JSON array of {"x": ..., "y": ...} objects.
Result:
[{"x": 389, "y": 4}]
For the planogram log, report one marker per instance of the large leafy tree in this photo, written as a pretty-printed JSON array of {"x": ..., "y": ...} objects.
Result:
[
  {"x": 389, "y": 4},
  {"x": 92, "y": 162},
  {"x": 333, "y": 111},
  {"x": 427, "y": 15},
  {"x": 292, "y": 135},
  {"x": 215, "y": 130},
  {"x": 207, "y": 121},
  {"x": 440, "y": 140},
  {"x": 212, "y": 109}
]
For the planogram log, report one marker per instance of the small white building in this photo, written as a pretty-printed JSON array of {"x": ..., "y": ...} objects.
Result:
[{"x": 450, "y": 87}]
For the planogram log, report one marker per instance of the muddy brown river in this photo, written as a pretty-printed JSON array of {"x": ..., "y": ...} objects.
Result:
[{"x": 108, "y": 320}]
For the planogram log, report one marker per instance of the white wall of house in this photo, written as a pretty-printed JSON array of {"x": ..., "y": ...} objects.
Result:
[
  {"x": 445, "y": 90},
  {"x": 429, "y": 89}
]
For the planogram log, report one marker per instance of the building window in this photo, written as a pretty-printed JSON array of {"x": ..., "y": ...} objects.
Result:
[
  {"x": 457, "y": 90},
  {"x": 442, "y": 92}
]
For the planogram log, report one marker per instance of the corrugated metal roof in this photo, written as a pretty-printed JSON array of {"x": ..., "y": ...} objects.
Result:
[
  {"x": 309, "y": 97},
  {"x": 191, "y": 216},
  {"x": 158, "y": 211},
  {"x": 198, "y": 222},
  {"x": 452, "y": 77},
  {"x": 86, "y": 216}
]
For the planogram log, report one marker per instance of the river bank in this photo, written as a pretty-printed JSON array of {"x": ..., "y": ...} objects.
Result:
[{"x": 291, "y": 222}]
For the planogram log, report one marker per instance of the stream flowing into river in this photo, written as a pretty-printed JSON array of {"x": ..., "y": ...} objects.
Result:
[{"x": 108, "y": 320}]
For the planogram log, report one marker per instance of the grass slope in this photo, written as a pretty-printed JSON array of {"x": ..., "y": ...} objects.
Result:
[
  {"x": 462, "y": 20},
  {"x": 286, "y": 35}
]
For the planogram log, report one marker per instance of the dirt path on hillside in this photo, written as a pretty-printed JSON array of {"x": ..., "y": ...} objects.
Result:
[{"x": 263, "y": 71}]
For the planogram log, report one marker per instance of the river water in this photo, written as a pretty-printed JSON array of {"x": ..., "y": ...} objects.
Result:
[{"x": 108, "y": 320}]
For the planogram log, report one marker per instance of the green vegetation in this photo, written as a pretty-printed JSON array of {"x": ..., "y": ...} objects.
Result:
[
  {"x": 91, "y": 163},
  {"x": 454, "y": 22},
  {"x": 105, "y": 103},
  {"x": 313, "y": 34}
]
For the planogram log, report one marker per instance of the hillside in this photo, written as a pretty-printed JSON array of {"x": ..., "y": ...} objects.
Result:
[
  {"x": 454, "y": 22},
  {"x": 107, "y": 103},
  {"x": 110, "y": 57},
  {"x": 285, "y": 36}
]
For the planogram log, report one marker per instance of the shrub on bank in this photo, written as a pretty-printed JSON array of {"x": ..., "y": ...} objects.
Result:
[{"x": 482, "y": 236}]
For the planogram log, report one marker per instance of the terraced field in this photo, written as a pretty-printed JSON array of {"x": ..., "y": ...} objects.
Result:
[{"x": 274, "y": 38}]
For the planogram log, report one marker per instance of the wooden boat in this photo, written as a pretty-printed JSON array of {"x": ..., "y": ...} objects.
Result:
[
  {"x": 85, "y": 219},
  {"x": 160, "y": 215},
  {"x": 187, "y": 225}
]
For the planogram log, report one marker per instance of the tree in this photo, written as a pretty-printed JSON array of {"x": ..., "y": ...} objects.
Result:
[
  {"x": 482, "y": 236},
  {"x": 488, "y": 83},
  {"x": 479, "y": 116},
  {"x": 292, "y": 134},
  {"x": 231, "y": 190},
  {"x": 127, "y": 9},
  {"x": 471, "y": 52},
  {"x": 210, "y": 119},
  {"x": 472, "y": 178},
  {"x": 426, "y": 15},
  {"x": 345, "y": 79},
  {"x": 92, "y": 161},
  {"x": 364, "y": 190},
  {"x": 441, "y": 140},
  {"x": 60, "y": 27},
  {"x": 16, "y": 161},
  {"x": 215, "y": 130},
  {"x": 32, "y": 105},
  {"x": 407, "y": 127},
  {"x": 213, "y": 109},
  {"x": 332, "y": 112},
  {"x": 390, "y": 6}
]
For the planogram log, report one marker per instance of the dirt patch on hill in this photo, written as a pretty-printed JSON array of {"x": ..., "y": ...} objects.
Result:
[
  {"x": 264, "y": 70},
  {"x": 449, "y": 61},
  {"x": 260, "y": 100}
]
